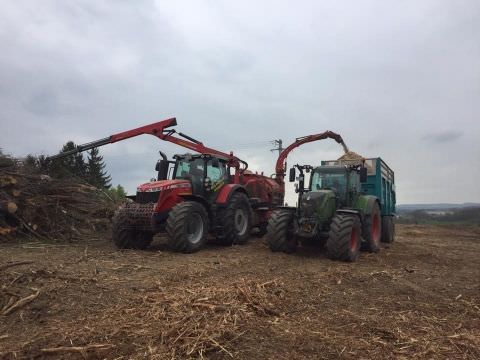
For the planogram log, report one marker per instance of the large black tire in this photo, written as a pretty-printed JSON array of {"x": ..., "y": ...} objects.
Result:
[
  {"x": 344, "y": 238},
  {"x": 372, "y": 230},
  {"x": 187, "y": 227},
  {"x": 388, "y": 229},
  {"x": 127, "y": 237},
  {"x": 280, "y": 236},
  {"x": 235, "y": 221}
]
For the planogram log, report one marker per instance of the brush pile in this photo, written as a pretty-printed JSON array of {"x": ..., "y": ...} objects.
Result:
[
  {"x": 39, "y": 206},
  {"x": 197, "y": 321}
]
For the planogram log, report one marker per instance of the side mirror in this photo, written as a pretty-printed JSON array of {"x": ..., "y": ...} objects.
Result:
[
  {"x": 363, "y": 174},
  {"x": 162, "y": 168},
  {"x": 292, "y": 175}
]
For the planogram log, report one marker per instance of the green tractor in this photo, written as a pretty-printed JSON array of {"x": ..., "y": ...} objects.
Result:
[{"x": 347, "y": 206}]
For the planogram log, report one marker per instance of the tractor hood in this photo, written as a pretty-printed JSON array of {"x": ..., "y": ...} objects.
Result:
[
  {"x": 319, "y": 204},
  {"x": 163, "y": 185}
]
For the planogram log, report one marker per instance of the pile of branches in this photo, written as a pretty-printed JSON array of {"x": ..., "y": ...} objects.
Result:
[{"x": 40, "y": 206}]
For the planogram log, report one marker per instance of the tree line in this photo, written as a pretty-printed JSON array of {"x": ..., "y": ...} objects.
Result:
[
  {"x": 461, "y": 215},
  {"x": 90, "y": 169}
]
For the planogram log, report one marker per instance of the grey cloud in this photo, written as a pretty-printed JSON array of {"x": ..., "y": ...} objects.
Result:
[
  {"x": 443, "y": 136},
  {"x": 235, "y": 73}
]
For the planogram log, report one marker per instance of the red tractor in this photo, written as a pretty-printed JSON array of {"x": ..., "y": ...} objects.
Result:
[{"x": 194, "y": 194}]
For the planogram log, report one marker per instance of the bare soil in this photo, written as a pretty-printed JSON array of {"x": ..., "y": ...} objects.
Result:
[{"x": 417, "y": 298}]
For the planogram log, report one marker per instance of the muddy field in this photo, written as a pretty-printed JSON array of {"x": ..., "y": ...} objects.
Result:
[{"x": 419, "y": 298}]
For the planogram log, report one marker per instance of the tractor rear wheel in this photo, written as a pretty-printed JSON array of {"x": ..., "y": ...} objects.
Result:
[
  {"x": 388, "y": 229},
  {"x": 125, "y": 237},
  {"x": 372, "y": 230},
  {"x": 235, "y": 221},
  {"x": 344, "y": 238},
  {"x": 187, "y": 227},
  {"x": 280, "y": 235}
]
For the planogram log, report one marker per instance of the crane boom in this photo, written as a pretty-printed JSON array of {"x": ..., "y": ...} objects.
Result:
[
  {"x": 162, "y": 131},
  {"x": 280, "y": 167}
]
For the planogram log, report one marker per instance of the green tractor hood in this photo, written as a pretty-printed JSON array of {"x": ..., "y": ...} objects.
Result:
[{"x": 319, "y": 204}]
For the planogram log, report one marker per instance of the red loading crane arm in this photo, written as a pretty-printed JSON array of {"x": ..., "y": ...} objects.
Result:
[
  {"x": 280, "y": 167},
  {"x": 160, "y": 130}
]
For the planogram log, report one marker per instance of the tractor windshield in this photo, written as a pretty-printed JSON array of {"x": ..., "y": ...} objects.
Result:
[
  {"x": 190, "y": 169},
  {"x": 335, "y": 181}
]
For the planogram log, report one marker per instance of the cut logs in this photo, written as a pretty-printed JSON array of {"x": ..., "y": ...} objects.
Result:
[{"x": 37, "y": 205}]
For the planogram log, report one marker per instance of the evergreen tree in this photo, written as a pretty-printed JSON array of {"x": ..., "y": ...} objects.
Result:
[
  {"x": 37, "y": 164},
  {"x": 70, "y": 166},
  {"x": 96, "y": 174}
]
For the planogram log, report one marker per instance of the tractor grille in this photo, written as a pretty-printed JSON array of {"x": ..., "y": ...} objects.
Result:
[{"x": 147, "y": 197}]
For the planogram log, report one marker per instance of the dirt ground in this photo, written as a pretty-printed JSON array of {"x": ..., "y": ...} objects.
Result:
[{"x": 418, "y": 298}]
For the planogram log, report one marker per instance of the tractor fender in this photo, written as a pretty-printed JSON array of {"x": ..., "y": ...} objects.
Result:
[
  {"x": 226, "y": 193},
  {"x": 365, "y": 204},
  {"x": 351, "y": 212},
  {"x": 348, "y": 211}
]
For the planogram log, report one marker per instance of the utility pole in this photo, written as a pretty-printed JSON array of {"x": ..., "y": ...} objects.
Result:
[{"x": 278, "y": 144}]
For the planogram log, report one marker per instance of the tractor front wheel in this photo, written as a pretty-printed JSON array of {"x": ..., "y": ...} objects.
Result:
[
  {"x": 235, "y": 221},
  {"x": 127, "y": 237},
  {"x": 372, "y": 230},
  {"x": 344, "y": 238},
  {"x": 187, "y": 227},
  {"x": 280, "y": 232}
]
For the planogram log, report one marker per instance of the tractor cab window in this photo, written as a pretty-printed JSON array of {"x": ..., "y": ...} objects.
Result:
[
  {"x": 192, "y": 169},
  {"x": 334, "y": 181},
  {"x": 216, "y": 171}
]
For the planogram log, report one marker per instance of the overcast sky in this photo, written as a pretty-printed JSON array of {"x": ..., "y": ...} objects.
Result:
[{"x": 397, "y": 79}]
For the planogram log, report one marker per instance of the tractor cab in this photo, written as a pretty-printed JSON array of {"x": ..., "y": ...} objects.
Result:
[
  {"x": 206, "y": 173},
  {"x": 344, "y": 181},
  {"x": 330, "y": 187},
  {"x": 203, "y": 173}
]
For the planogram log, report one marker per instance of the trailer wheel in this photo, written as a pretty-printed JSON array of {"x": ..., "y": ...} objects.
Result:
[
  {"x": 235, "y": 221},
  {"x": 187, "y": 227},
  {"x": 280, "y": 235},
  {"x": 372, "y": 230},
  {"x": 388, "y": 229},
  {"x": 344, "y": 238},
  {"x": 125, "y": 237}
]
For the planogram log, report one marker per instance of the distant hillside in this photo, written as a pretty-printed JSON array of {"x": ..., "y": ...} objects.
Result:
[{"x": 441, "y": 206}]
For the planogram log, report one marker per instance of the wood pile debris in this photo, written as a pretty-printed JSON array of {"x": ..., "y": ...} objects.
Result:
[
  {"x": 40, "y": 206},
  {"x": 351, "y": 158}
]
